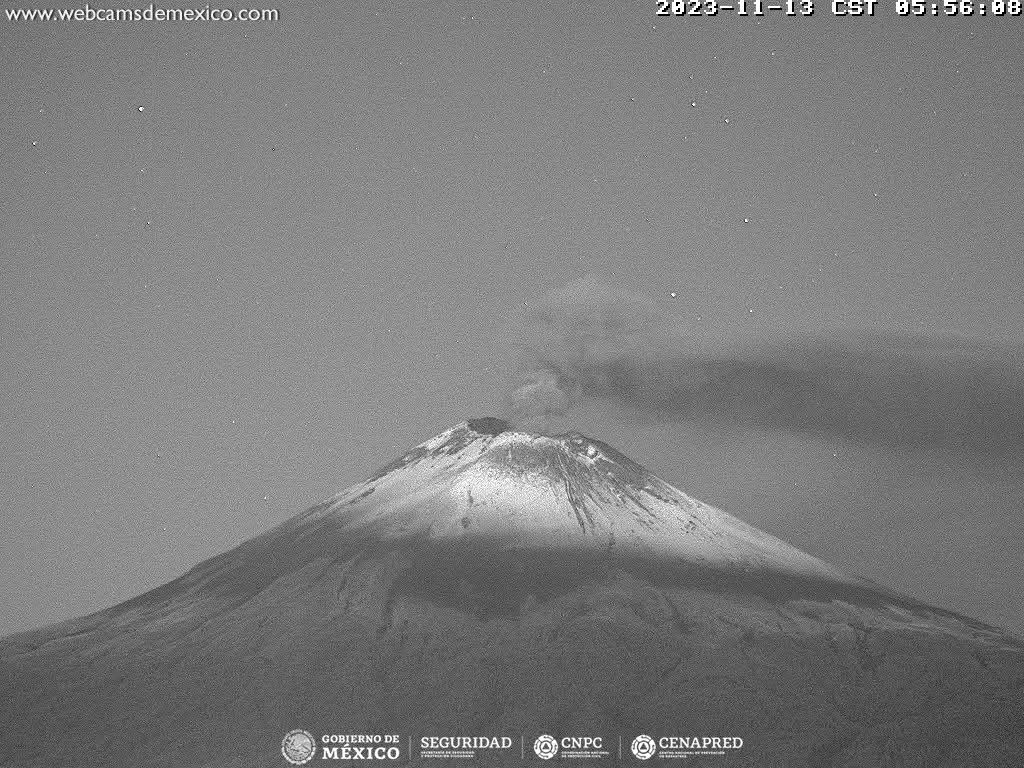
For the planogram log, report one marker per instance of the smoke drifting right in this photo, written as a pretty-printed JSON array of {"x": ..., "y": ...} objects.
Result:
[{"x": 591, "y": 339}]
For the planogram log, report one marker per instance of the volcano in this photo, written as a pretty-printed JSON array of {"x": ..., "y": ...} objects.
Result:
[{"x": 502, "y": 586}]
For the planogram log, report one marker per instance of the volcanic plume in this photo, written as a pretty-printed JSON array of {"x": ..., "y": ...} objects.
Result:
[
  {"x": 913, "y": 391},
  {"x": 502, "y": 582}
]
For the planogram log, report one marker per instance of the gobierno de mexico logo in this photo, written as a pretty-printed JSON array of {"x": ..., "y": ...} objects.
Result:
[{"x": 298, "y": 746}]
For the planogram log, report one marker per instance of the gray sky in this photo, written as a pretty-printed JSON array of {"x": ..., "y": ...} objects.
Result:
[{"x": 310, "y": 248}]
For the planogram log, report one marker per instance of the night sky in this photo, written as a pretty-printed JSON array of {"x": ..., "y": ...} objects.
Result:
[{"x": 246, "y": 264}]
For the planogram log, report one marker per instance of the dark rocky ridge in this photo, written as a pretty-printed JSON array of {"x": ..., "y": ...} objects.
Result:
[{"x": 488, "y": 425}]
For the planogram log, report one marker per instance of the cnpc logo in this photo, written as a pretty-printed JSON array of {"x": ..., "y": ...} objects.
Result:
[{"x": 546, "y": 746}]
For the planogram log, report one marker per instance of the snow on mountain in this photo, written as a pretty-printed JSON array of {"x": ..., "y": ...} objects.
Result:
[{"x": 494, "y": 581}]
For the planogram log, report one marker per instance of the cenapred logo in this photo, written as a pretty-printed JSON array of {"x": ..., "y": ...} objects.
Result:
[
  {"x": 545, "y": 747},
  {"x": 643, "y": 747},
  {"x": 298, "y": 746}
]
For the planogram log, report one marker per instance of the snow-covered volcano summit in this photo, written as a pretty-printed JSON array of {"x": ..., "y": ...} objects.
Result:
[
  {"x": 482, "y": 497},
  {"x": 492, "y": 581},
  {"x": 484, "y": 483}
]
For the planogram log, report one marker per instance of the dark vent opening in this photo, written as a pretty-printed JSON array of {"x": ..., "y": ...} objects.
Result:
[{"x": 489, "y": 425}]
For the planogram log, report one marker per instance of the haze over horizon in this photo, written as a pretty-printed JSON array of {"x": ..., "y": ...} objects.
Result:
[{"x": 245, "y": 265}]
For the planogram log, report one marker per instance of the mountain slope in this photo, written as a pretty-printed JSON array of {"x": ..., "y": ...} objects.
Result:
[{"x": 492, "y": 581}]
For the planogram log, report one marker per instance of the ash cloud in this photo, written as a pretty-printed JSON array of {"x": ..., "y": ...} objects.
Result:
[
  {"x": 579, "y": 322},
  {"x": 591, "y": 339},
  {"x": 540, "y": 395}
]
